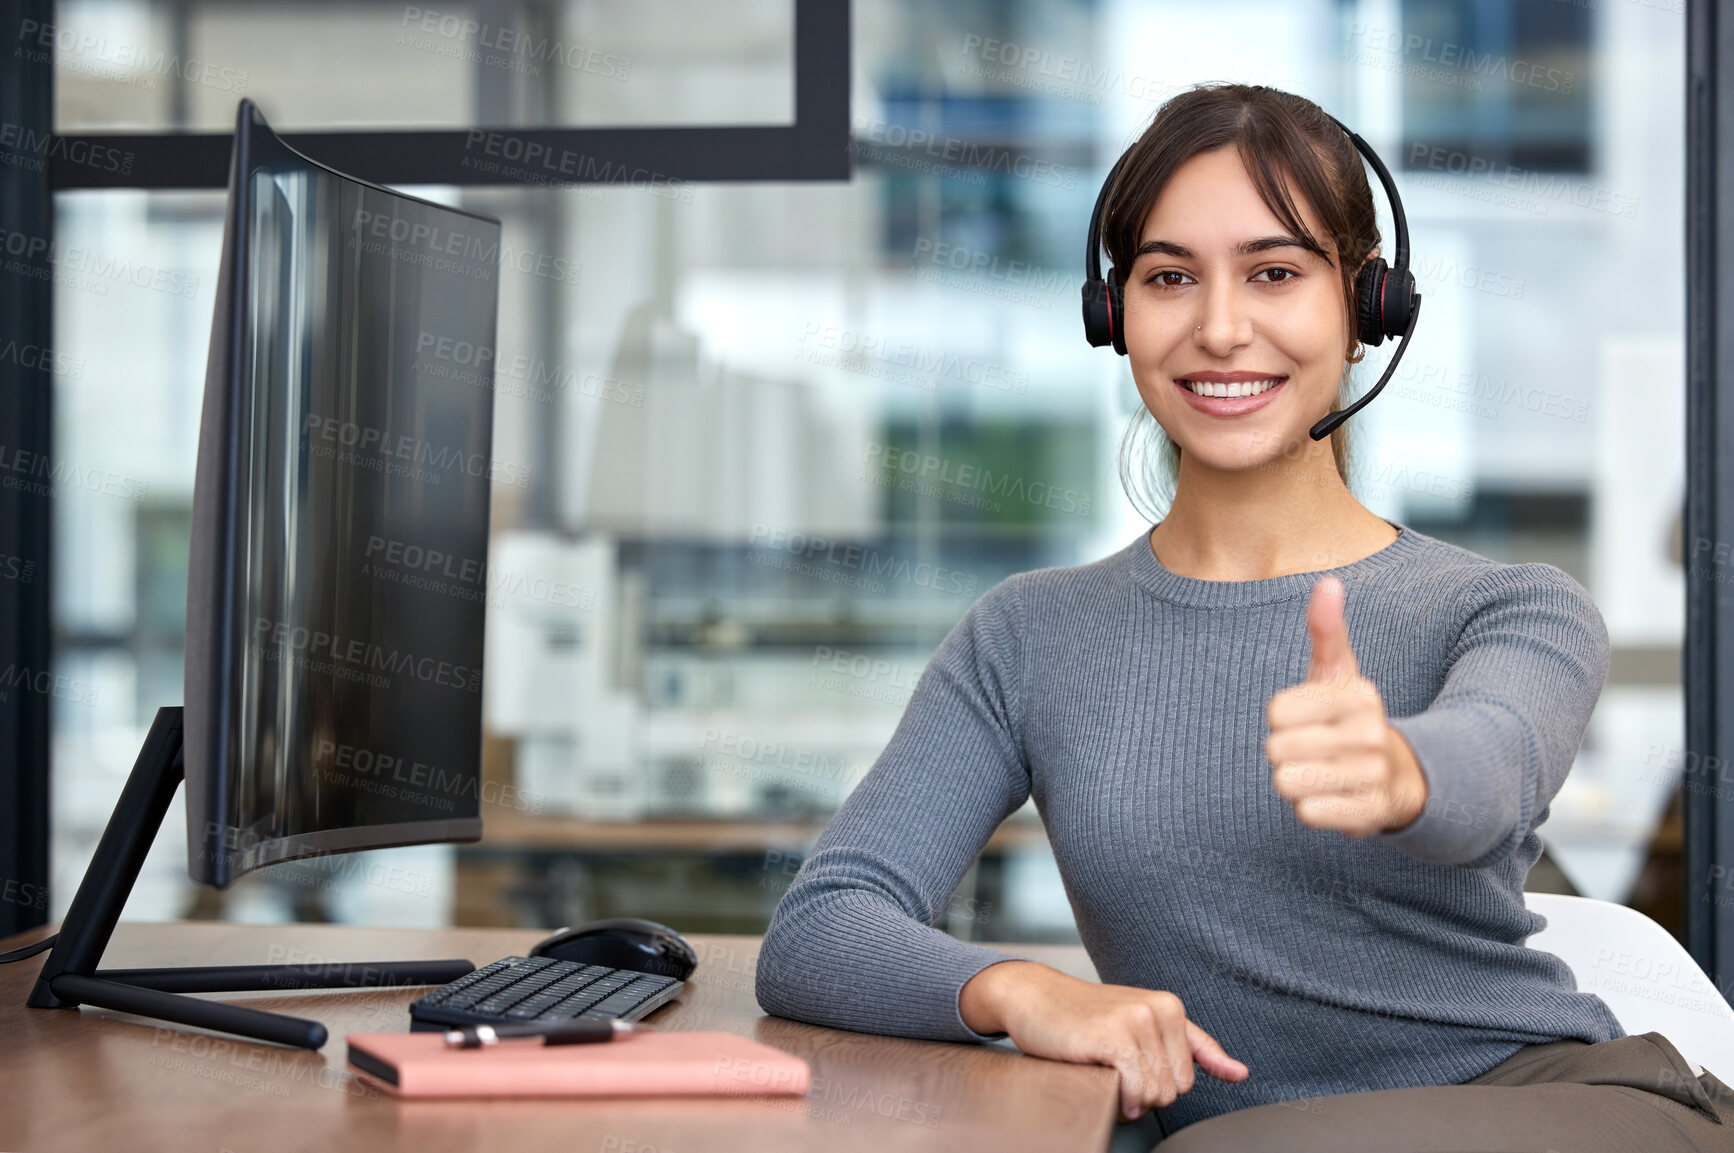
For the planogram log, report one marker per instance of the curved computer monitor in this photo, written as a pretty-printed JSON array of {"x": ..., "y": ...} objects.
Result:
[{"x": 337, "y": 583}]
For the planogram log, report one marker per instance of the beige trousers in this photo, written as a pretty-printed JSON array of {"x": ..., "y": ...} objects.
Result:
[{"x": 1630, "y": 1095}]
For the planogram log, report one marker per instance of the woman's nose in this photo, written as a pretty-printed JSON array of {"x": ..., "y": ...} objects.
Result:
[{"x": 1222, "y": 323}]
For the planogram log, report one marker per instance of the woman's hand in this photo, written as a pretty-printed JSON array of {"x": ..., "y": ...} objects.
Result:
[
  {"x": 1143, "y": 1033},
  {"x": 1337, "y": 758}
]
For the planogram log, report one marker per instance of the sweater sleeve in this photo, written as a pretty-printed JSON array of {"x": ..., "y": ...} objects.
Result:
[
  {"x": 1499, "y": 739},
  {"x": 852, "y": 943}
]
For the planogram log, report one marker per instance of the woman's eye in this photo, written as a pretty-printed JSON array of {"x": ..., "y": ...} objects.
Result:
[
  {"x": 1162, "y": 278},
  {"x": 1278, "y": 275}
]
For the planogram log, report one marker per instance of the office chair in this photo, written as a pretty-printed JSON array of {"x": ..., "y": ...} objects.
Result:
[{"x": 1646, "y": 977}]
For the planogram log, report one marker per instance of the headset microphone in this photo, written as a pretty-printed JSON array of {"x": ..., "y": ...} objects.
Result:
[{"x": 1386, "y": 303}]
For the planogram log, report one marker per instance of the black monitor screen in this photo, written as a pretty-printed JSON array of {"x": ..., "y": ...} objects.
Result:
[{"x": 337, "y": 587}]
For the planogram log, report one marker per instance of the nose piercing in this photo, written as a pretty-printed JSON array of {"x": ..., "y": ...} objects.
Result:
[{"x": 1199, "y": 327}]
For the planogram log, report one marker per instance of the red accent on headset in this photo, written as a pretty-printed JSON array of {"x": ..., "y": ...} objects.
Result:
[
  {"x": 1108, "y": 295},
  {"x": 1382, "y": 284}
]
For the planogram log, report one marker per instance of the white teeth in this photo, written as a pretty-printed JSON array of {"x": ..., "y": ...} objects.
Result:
[{"x": 1246, "y": 388}]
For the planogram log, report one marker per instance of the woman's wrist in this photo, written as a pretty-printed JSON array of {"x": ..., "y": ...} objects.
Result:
[
  {"x": 984, "y": 999},
  {"x": 1410, "y": 792}
]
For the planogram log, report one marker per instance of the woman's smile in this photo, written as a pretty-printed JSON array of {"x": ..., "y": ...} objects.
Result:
[{"x": 1230, "y": 393}]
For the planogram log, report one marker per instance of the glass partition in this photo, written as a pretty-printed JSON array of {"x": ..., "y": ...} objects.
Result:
[
  {"x": 140, "y": 65},
  {"x": 780, "y": 437}
]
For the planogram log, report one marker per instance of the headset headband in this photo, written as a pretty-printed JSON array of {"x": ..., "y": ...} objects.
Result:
[
  {"x": 1398, "y": 220},
  {"x": 1093, "y": 242}
]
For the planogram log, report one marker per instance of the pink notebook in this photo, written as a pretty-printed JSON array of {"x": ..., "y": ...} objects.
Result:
[{"x": 661, "y": 1064}]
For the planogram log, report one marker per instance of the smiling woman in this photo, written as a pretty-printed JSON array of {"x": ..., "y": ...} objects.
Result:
[
  {"x": 1275, "y": 169},
  {"x": 1291, "y": 757}
]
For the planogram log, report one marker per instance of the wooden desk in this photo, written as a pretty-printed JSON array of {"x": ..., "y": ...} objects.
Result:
[{"x": 91, "y": 1079}]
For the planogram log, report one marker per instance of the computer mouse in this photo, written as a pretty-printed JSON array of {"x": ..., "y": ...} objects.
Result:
[{"x": 623, "y": 943}]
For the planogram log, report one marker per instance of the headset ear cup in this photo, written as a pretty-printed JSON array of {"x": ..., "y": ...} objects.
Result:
[
  {"x": 1369, "y": 294},
  {"x": 1117, "y": 311},
  {"x": 1098, "y": 317},
  {"x": 1105, "y": 313},
  {"x": 1398, "y": 297}
]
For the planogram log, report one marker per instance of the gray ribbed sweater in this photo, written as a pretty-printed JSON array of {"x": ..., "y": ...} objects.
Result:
[{"x": 1129, "y": 702}]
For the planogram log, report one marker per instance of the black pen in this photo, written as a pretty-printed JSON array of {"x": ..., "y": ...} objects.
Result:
[{"x": 554, "y": 1033}]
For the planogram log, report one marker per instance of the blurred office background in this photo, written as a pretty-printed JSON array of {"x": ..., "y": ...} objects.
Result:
[{"x": 780, "y": 437}]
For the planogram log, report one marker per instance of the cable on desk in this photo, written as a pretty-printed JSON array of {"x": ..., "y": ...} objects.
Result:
[{"x": 41, "y": 946}]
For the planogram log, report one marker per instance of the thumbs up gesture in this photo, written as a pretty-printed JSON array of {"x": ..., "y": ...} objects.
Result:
[{"x": 1337, "y": 759}]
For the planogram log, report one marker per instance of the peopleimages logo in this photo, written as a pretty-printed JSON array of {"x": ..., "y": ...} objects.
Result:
[
  {"x": 355, "y": 659},
  {"x": 511, "y": 154},
  {"x": 475, "y": 364},
  {"x": 1510, "y": 185},
  {"x": 42, "y": 475},
  {"x": 833, "y": 346},
  {"x": 388, "y": 775},
  {"x": 505, "y": 47},
  {"x": 24, "y": 147},
  {"x": 24, "y": 893},
  {"x": 36, "y": 358},
  {"x": 1043, "y": 70},
  {"x": 38, "y": 257},
  {"x": 425, "y": 243},
  {"x": 976, "y": 478},
  {"x": 378, "y": 449},
  {"x": 958, "y": 151},
  {"x": 46, "y": 683},
  {"x": 816, "y": 554},
  {"x": 1448, "y": 55},
  {"x": 400, "y": 554},
  {"x": 68, "y": 43}
]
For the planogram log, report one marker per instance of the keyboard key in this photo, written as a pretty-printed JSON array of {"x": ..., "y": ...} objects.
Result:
[
  {"x": 622, "y": 1000},
  {"x": 518, "y": 991},
  {"x": 585, "y": 999},
  {"x": 524, "y": 989},
  {"x": 536, "y": 1004}
]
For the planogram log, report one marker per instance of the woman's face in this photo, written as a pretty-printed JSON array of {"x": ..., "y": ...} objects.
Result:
[{"x": 1221, "y": 295}]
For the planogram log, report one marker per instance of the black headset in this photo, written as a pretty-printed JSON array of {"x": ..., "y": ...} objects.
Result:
[{"x": 1386, "y": 303}]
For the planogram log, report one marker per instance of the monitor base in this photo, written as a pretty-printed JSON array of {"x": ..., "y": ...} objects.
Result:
[{"x": 70, "y": 976}]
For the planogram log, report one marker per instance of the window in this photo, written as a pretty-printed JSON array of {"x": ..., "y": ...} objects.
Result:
[{"x": 1505, "y": 84}]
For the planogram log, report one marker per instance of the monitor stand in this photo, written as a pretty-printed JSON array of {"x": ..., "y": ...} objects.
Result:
[{"x": 70, "y": 977}]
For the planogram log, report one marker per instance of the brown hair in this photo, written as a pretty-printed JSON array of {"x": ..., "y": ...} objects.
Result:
[{"x": 1282, "y": 139}]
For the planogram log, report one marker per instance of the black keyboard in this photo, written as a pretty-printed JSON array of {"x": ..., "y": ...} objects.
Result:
[{"x": 523, "y": 990}]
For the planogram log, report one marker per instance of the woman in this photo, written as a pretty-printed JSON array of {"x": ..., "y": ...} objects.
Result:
[{"x": 1290, "y": 756}]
